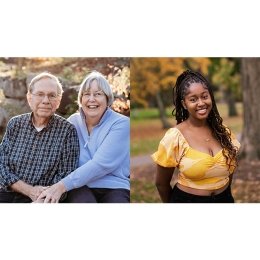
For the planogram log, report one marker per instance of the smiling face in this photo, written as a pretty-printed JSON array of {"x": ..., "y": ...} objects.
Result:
[
  {"x": 94, "y": 102},
  {"x": 197, "y": 101},
  {"x": 44, "y": 99}
]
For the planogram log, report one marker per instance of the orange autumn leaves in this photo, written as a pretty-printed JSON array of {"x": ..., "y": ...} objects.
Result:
[{"x": 150, "y": 75}]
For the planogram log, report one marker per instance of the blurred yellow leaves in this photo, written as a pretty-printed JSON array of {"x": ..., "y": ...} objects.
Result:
[{"x": 148, "y": 75}]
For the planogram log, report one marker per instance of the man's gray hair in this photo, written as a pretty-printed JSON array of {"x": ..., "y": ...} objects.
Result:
[{"x": 45, "y": 75}]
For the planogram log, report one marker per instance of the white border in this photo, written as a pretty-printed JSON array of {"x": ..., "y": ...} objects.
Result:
[
  {"x": 129, "y": 29},
  {"x": 114, "y": 28}
]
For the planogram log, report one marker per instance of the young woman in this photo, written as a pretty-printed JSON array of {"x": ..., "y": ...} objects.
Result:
[{"x": 200, "y": 146}]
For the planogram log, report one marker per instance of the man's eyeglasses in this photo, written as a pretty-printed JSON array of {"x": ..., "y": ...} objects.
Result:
[{"x": 41, "y": 96}]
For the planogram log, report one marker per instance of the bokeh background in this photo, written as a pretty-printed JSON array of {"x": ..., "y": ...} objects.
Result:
[
  {"x": 236, "y": 90},
  {"x": 235, "y": 82},
  {"x": 16, "y": 73}
]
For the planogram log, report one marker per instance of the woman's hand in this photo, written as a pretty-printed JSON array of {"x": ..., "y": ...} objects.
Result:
[
  {"x": 52, "y": 194},
  {"x": 36, "y": 191}
]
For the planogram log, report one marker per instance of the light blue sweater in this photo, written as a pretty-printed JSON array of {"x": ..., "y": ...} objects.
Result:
[{"x": 104, "y": 154}]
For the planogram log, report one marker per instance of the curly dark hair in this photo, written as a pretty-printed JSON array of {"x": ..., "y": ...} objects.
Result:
[{"x": 214, "y": 120}]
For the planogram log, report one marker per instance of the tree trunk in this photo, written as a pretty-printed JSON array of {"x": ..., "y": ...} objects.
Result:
[
  {"x": 230, "y": 99},
  {"x": 19, "y": 67},
  {"x": 251, "y": 94},
  {"x": 162, "y": 112}
]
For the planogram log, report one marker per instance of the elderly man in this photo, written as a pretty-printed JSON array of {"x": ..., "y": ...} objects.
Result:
[{"x": 38, "y": 148}]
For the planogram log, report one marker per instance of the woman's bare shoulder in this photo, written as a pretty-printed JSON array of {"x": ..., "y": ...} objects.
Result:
[{"x": 181, "y": 126}]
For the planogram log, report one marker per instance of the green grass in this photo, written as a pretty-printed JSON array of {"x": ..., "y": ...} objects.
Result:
[
  {"x": 138, "y": 114},
  {"x": 143, "y": 191},
  {"x": 144, "y": 146}
]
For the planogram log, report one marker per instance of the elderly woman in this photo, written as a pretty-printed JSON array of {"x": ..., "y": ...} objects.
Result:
[{"x": 104, "y": 135}]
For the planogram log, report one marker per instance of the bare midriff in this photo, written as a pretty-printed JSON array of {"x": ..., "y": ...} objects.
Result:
[{"x": 202, "y": 192}]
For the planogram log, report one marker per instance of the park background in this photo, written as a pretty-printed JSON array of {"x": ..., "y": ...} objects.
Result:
[
  {"x": 16, "y": 74},
  {"x": 236, "y": 89},
  {"x": 152, "y": 80}
]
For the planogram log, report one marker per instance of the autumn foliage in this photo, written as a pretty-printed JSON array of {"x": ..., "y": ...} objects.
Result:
[{"x": 150, "y": 75}]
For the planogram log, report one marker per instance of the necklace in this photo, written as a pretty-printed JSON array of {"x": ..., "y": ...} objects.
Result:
[{"x": 205, "y": 139}]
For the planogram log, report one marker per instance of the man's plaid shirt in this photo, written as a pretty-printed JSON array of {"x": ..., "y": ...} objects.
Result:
[{"x": 37, "y": 158}]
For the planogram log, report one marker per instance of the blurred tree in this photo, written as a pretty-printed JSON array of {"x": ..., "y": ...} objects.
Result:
[
  {"x": 153, "y": 76},
  {"x": 119, "y": 80},
  {"x": 70, "y": 71},
  {"x": 251, "y": 93},
  {"x": 226, "y": 76}
]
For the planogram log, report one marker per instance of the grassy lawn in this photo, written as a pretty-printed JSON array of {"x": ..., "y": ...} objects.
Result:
[
  {"x": 143, "y": 191},
  {"x": 144, "y": 146}
]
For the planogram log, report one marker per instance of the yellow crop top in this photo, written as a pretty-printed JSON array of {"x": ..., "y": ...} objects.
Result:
[{"x": 197, "y": 169}]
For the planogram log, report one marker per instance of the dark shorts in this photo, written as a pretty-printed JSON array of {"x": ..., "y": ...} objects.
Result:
[
  {"x": 179, "y": 196},
  {"x": 98, "y": 195}
]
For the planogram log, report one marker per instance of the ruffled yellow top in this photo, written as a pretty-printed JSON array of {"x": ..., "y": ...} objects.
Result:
[{"x": 197, "y": 169}]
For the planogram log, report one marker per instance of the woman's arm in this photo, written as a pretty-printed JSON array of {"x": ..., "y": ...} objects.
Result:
[
  {"x": 162, "y": 182},
  {"x": 111, "y": 154}
]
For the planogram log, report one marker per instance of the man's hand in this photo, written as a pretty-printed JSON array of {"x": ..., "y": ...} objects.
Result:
[
  {"x": 52, "y": 194},
  {"x": 35, "y": 192},
  {"x": 28, "y": 190}
]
